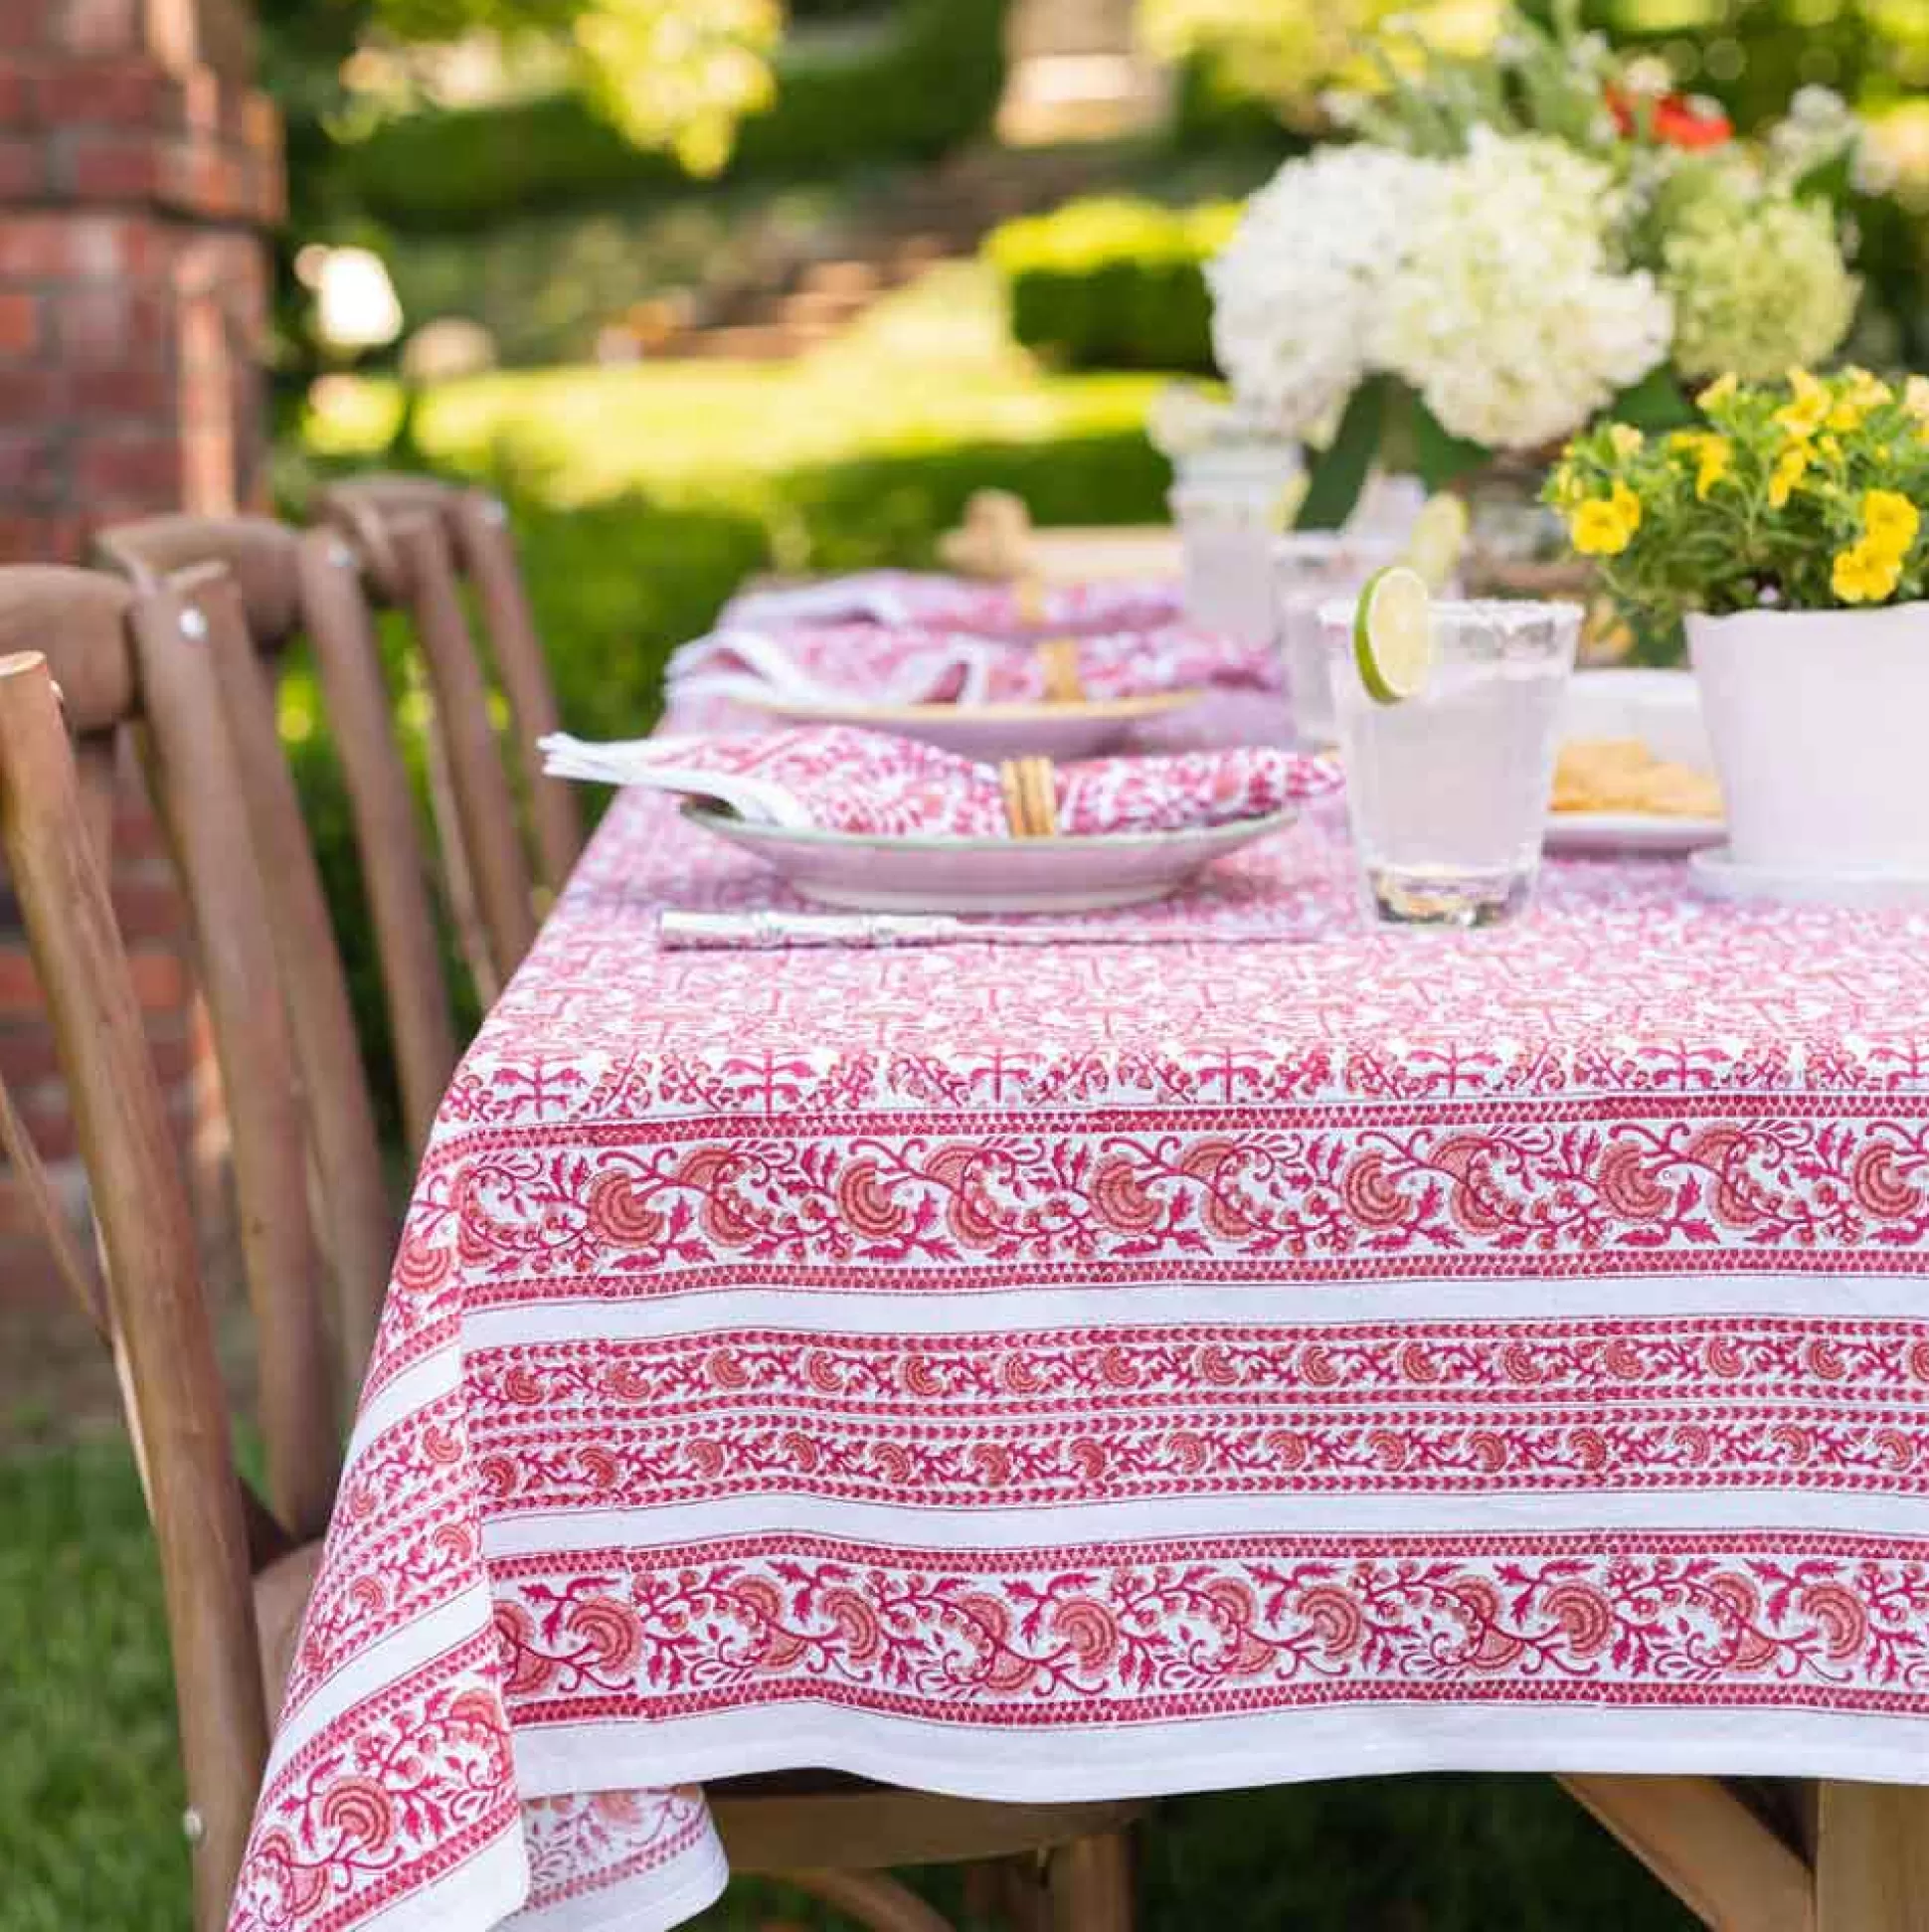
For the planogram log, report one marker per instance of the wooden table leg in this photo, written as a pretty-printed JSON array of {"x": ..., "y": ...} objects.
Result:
[{"x": 1872, "y": 1858}]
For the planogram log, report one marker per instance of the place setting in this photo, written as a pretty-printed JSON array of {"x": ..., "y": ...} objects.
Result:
[{"x": 869, "y": 822}]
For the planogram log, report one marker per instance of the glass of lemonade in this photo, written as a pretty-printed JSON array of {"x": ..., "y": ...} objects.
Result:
[
  {"x": 1447, "y": 779},
  {"x": 1310, "y": 568}
]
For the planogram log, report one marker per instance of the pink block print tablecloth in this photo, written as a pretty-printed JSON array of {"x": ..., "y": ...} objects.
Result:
[{"x": 1121, "y": 1369}]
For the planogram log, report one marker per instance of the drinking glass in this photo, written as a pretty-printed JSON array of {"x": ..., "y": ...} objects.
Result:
[
  {"x": 1229, "y": 503},
  {"x": 1310, "y": 568},
  {"x": 1448, "y": 790}
]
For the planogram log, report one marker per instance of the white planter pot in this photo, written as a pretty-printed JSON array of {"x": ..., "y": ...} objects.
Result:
[{"x": 1819, "y": 721}]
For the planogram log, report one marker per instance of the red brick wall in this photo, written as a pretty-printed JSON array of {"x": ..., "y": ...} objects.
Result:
[{"x": 138, "y": 173}]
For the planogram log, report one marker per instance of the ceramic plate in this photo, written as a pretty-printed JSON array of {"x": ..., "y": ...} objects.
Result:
[
  {"x": 990, "y": 731},
  {"x": 1663, "y": 710},
  {"x": 984, "y": 875}
]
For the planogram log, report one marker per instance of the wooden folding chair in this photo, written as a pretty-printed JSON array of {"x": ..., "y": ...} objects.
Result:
[
  {"x": 309, "y": 583},
  {"x": 422, "y": 542},
  {"x": 123, "y": 663},
  {"x": 236, "y": 1572}
]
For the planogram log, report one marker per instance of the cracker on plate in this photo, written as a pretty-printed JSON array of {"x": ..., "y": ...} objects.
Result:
[{"x": 1624, "y": 774}]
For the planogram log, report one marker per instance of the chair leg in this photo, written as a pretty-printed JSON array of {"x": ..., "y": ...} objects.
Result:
[
  {"x": 1009, "y": 1893},
  {"x": 1872, "y": 1858},
  {"x": 874, "y": 1900},
  {"x": 1006, "y": 1893},
  {"x": 1091, "y": 1884}
]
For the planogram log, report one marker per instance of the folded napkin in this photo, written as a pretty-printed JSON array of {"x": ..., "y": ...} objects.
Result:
[
  {"x": 883, "y": 663},
  {"x": 836, "y": 778},
  {"x": 901, "y": 597}
]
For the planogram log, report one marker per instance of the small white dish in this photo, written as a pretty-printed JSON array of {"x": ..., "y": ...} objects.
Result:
[
  {"x": 1065, "y": 731},
  {"x": 1663, "y": 710},
  {"x": 1717, "y": 873},
  {"x": 1579, "y": 834},
  {"x": 985, "y": 875}
]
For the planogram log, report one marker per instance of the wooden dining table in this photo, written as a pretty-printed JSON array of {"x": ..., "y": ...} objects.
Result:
[{"x": 1088, "y": 1371}]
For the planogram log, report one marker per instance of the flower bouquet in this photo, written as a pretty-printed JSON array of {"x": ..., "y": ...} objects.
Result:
[
  {"x": 1786, "y": 526},
  {"x": 1513, "y": 243}
]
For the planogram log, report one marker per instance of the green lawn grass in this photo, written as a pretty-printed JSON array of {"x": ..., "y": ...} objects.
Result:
[{"x": 930, "y": 368}]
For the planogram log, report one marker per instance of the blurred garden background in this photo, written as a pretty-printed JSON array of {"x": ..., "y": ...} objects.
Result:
[{"x": 702, "y": 288}]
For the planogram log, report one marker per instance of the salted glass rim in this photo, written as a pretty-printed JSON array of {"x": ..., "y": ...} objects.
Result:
[
  {"x": 1335, "y": 543},
  {"x": 1511, "y": 614}
]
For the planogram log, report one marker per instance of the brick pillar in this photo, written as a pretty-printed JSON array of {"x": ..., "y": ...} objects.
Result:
[{"x": 138, "y": 173}]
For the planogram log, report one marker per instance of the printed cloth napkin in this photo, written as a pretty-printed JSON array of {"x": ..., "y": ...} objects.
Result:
[
  {"x": 904, "y": 596},
  {"x": 890, "y": 663},
  {"x": 837, "y": 778}
]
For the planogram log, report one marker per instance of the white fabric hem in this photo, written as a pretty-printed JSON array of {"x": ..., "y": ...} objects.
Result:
[
  {"x": 648, "y": 1902},
  {"x": 1067, "y": 1764}
]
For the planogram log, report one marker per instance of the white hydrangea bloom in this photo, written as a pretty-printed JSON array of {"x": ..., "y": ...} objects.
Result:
[
  {"x": 1757, "y": 289},
  {"x": 1295, "y": 289},
  {"x": 1507, "y": 314}
]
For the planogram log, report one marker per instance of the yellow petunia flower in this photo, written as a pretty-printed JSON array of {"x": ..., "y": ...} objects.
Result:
[
  {"x": 1790, "y": 468},
  {"x": 1605, "y": 526},
  {"x": 1870, "y": 391},
  {"x": 1625, "y": 439},
  {"x": 1858, "y": 393},
  {"x": 1714, "y": 457},
  {"x": 1717, "y": 392},
  {"x": 1889, "y": 521},
  {"x": 1915, "y": 398},
  {"x": 1570, "y": 489},
  {"x": 1807, "y": 407},
  {"x": 1864, "y": 575}
]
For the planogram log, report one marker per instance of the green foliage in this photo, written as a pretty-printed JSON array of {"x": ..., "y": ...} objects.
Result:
[
  {"x": 914, "y": 93},
  {"x": 1113, "y": 283},
  {"x": 1799, "y": 496},
  {"x": 1340, "y": 472},
  {"x": 675, "y": 76}
]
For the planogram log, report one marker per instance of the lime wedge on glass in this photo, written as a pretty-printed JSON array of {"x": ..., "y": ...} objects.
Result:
[
  {"x": 1438, "y": 536},
  {"x": 1393, "y": 634}
]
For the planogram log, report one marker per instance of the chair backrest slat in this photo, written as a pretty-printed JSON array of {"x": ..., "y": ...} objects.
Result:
[
  {"x": 395, "y": 863},
  {"x": 98, "y": 764},
  {"x": 146, "y": 1233},
  {"x": 486, "y": 806},
  {"x": 357, "y": 1226},
  {"x": 309, "y": 583},
  {"x": 486, "y": 549},
  {"x": 194, "y": 781},
  {"x": 383, "y": 514}
]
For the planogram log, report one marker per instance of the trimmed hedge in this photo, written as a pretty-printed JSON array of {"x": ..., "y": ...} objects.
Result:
[
  {"x": 1110, "y": 284},
  {"x": 931, "y": 83},
  {"x": 1214, "y": 110}
]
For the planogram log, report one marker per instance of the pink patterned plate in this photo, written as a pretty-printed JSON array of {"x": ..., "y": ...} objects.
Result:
[
  {"x": 985, "y": 875},
  {"x": 990, "y": 731}
]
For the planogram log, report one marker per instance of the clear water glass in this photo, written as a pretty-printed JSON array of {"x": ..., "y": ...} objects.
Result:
[
  {"x": 1310, "y": 568},
  {"x": 1228, "y": 504},
  {"x": 1448, "y": 791}
]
